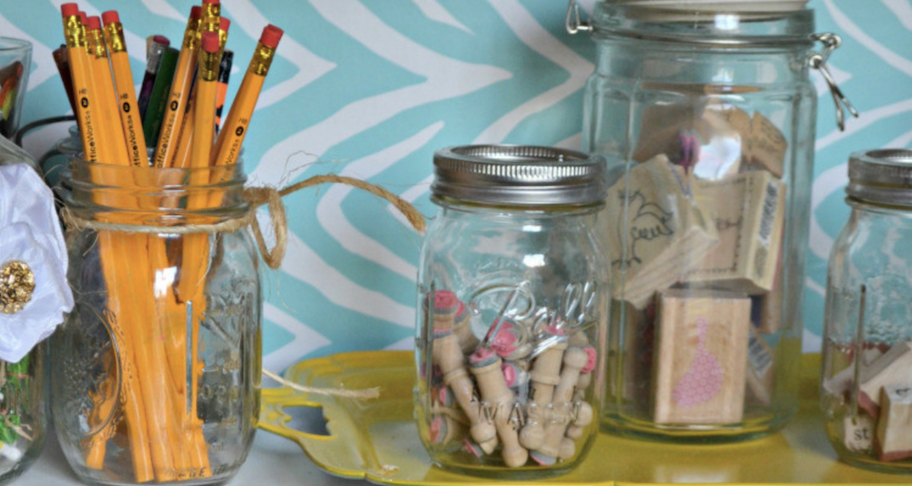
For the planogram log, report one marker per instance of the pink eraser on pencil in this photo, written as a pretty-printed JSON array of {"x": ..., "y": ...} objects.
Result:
[
  {"x": 160, "y": 39},
  {"x": 69, "y": 9},
  {"x": 196, "y": 12},
  {"x": 271, "y": 36},
  {"x": 216, "y": 2},
  {"x": 93, "y": 23},
  {"x": 209, "y": 42},
  {"x": 224, "y": 23},
  {"x": 110, "y": 17},
  {"x": 82, "y": 17}
]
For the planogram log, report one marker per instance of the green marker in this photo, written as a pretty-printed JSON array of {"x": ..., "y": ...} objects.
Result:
[{"x": 159, "y": 98}]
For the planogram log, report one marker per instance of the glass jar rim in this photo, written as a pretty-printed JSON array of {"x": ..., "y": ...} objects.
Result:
[
  {"x": 730, "y": 30},
  {"x": 205, "y": 195},
  {"x": 14, "y": 44}
]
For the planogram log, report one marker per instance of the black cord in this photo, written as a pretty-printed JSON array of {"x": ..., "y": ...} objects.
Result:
[{"x": 17, "y": 138}]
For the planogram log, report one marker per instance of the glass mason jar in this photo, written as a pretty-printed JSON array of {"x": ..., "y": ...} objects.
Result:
[
  {"x": 23, "y": 385},
  {"x": 707, "y": 123},
  {"x": 513, "y": 296},
  {"x": 866, "y": 382},
  {"x": 23, "y": 412},
  {"x": 157, "y": 369}
]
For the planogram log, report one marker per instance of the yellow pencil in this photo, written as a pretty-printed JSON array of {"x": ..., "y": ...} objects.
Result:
[
  {"x": 126, "y": 94},
  {"x": 180, "y": 92},
  {"x": 231, "y": 136},
  {"x": 106, "y": 97}
]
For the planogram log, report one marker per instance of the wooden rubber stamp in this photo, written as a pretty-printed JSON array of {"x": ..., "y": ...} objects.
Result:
[
  {"x": 893, "y": 439},
  {"x": 486, "y": 366},
  {"x": 759, "y": 368},
  {"x": 841, "y": 382},
  {"x": 575, "y": 359},
  {"x": 767, "y": 145},
  {"x": 700, "y": 361},
  {"x": 655, "y": 231},
  {"x": 545, "y": 375},
  {"x": 748, "y": 211},
  {"x": 446, "y": 354},
  {"x": 858, "y": 433},
  {"x": 895, "y": 366}
]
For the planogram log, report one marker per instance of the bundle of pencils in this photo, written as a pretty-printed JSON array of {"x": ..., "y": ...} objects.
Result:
[{"x": 148, "y": 312}]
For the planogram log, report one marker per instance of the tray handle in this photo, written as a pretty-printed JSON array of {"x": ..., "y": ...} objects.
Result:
[{"x": 274, "y": 419}]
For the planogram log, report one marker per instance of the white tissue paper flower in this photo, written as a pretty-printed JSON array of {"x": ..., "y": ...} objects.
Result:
[{"x": 30, "y": 233}]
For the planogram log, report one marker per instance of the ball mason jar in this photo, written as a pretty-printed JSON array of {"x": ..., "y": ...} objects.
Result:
[
  {"x": 23, "y": 384},
  {"x": 23, "y": 412},
  {"x": 866, "y": 381},
  {"x": 707, "y": 122},
  {"x": 157, "y": 370},
  {"x": 512, "y": 299}
]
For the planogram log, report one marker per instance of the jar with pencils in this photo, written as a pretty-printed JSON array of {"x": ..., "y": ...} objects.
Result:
[{"x": 157, "y": 371}]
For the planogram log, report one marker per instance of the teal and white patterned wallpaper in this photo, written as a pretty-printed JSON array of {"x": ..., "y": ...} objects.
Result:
[{"x": 370, "y": 89}]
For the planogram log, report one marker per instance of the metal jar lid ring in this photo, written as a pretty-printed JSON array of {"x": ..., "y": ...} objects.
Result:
[{"x": 518, "y": 175}]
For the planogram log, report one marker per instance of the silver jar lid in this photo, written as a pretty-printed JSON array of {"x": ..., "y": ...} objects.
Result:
[
  {"x": 881, "y": 176},
  {"x": 518, "y": 175}
]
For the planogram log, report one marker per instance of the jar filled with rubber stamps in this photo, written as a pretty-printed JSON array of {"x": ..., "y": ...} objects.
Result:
[
  {"x": 707, "y": 121},
  {"x": 866, "y": 388},
  {"x": 157, "y": 369},
  {"x": 513, "y": 305}
]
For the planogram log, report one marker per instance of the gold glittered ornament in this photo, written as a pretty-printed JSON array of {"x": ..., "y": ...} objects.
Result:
[{"x": 17, "y": 282}]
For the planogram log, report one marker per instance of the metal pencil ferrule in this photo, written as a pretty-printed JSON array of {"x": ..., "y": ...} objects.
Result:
[
  {"x": 210, "y": 19},
  {"x": 73, "y": 31},
  {"x": 191, "y": 35},
  {"x": 114, "y": 36},
  {"x": 96, "y": 43},
  {"x": 818, "y": 61},
  {"x": 209, "y": 65},
  {"x": 262, "y": 59}
]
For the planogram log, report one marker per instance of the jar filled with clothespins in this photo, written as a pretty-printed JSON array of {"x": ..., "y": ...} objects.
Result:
[
  {"x": 512, "y": 310},
  {"x": 157, "y": 369}
]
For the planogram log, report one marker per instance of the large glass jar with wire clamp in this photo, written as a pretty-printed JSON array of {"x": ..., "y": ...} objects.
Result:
[
  {"x": 706, "y": 115},
  {"x": 512, "y": 299},
  {"x": 157, "y": 370}
]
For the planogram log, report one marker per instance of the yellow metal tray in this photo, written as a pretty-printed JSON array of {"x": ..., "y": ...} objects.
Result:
[{"x": 377, "y": 439}]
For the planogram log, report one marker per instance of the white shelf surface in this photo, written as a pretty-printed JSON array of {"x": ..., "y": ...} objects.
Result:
[{"x": 272, "y": 461}]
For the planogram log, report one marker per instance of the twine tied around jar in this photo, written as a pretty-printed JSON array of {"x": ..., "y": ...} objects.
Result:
[{"x": 272, "y": 198}]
